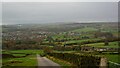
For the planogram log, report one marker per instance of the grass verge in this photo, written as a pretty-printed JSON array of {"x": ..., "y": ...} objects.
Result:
[{"x": 64, "y": 64}]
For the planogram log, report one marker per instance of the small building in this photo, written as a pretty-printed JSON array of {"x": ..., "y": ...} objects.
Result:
[{"x": 87, "y": 48}]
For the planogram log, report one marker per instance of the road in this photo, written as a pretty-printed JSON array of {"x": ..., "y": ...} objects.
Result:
[{"x": 44, "y": 62}]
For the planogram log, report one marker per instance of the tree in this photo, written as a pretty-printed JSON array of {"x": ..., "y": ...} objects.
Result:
[
  {"x": 47, "y": 50},
  {"x": 106, "y": 42},
  {"x": 51, "y": 40},
  {"x": 8, "y": 44}
]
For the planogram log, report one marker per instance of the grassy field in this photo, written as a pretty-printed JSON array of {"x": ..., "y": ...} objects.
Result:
[
  {"x": 24, "y": 61},
  {"x": 27, "y": 51},
  {"x": 29, "y": 60},
  {"x": 79, "y": 41},
  {"x": 111, "y": 45},
  {"x": 113, "y": 58},
  {"x": 87, "y": 29}
]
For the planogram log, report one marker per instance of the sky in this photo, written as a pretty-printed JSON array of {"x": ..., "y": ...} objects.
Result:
[
  {"x": 60, "y": 0},
  {"x": 0, "y": 13},
  {"x": 52, "y": 12}
]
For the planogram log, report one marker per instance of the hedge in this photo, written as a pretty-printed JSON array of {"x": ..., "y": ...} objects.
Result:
[{"x": 79, "y": 60}]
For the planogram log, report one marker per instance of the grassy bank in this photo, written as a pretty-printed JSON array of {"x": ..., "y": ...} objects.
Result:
[
  {"x": 20, "y": 58},
  {"x": 63, "y": 63}
]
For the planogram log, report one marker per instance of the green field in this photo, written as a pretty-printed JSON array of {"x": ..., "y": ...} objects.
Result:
[
  {"x": 27, "y": 51},
  {"x": 29, "y": 60},
  {"x": 25, "y": 61},
  {"x": 79, "y": 41},
  {"x": 111, "y": 45},
  {"x": 86, "y": 29},
  {"x": 113, "y": 58}
]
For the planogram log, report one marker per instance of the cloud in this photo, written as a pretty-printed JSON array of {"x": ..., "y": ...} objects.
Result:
[
  {"x": 0, "y": 13},
  {"x": 59, "y": 0},
  {"x": 59, "y": 12}
]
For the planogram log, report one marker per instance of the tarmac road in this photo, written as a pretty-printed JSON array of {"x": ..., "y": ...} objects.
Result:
[{"x": 44, "y": 62}]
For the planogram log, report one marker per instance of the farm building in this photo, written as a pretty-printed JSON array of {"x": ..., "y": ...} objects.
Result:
[{"x": 87, "y": 48}]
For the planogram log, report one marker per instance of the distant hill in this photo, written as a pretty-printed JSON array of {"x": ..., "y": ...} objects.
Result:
[{"x": 59, "y": 27}]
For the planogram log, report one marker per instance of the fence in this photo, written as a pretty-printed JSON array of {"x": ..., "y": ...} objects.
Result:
[{"x": 113, "y": 65}]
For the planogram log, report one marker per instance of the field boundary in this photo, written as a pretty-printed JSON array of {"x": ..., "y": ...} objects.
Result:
[{"x": 114, "y": 63}]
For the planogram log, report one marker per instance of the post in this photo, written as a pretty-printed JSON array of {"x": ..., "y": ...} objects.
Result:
[{"x": 103, "y": 62}]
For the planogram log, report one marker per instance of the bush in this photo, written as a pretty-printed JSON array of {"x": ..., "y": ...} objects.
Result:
[
  {"x": 80, "y": 60},
  {"x": 7, "y": 56}
]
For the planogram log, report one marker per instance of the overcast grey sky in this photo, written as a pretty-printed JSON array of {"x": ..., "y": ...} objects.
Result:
[{"x": 28, "y": 12}]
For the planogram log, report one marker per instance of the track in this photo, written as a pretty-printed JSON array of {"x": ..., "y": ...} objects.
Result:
[{"x": 44, "y": 62}]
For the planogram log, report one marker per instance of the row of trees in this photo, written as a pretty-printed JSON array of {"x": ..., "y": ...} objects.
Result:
[
  {"x": 19, "y": 44},
  {"x": 67, "y": 48}
]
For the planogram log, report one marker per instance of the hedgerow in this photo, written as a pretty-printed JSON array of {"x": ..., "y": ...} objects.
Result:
[{"x": 79, "y": 60}]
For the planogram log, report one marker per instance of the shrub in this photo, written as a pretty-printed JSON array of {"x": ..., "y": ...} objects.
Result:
[{"x": 80, "y": 60}]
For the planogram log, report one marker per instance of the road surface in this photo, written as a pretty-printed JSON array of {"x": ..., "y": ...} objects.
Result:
[{"x": 44, "y": 62}]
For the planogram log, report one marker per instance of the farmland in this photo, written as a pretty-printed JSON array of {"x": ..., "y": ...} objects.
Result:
[
  {"x": 23, "y": 42},
  {"x": 111, "y": 45},
  {"x": 21, "y": 60}
]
